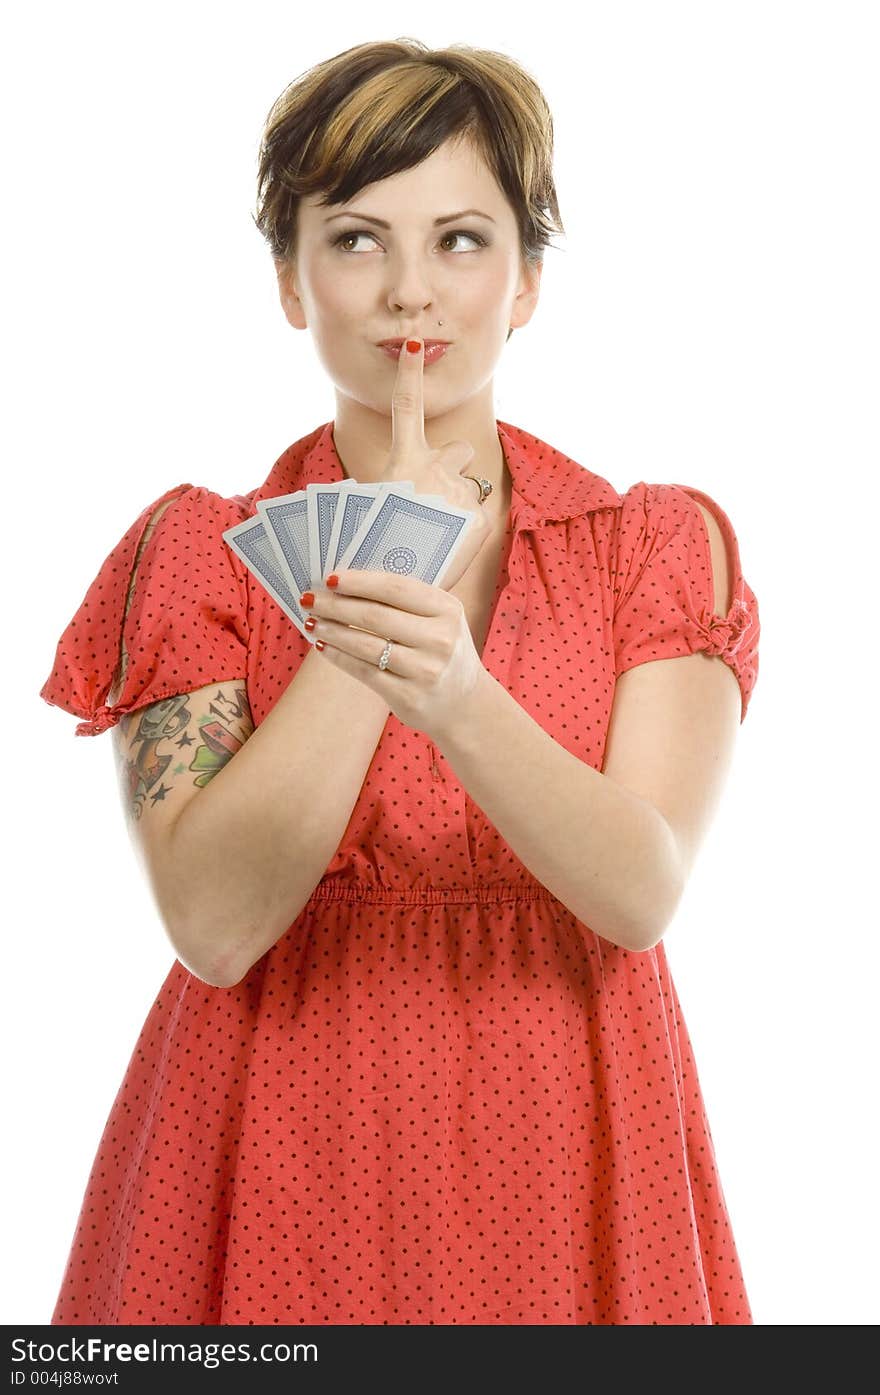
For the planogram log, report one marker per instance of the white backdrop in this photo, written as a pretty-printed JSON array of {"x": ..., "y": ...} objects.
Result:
[{"x": 710, "y": 319}]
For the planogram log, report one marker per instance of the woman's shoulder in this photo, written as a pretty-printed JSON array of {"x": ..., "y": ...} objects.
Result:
[
  {"x": 554, "y": 471},
  {"x": 169, "y": 594},
  {"x": 199, "y": 505},
  {"x": 558, "y": 485}
]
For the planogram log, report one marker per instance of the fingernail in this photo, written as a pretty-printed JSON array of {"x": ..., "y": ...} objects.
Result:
[
  {"x": 310, "y": 623},
  {"x": 413, "y": 345},
  {"x": 319, "y": 644},
  {"x": 307, "y": 599},
  {"x": 332, "y": 580}
]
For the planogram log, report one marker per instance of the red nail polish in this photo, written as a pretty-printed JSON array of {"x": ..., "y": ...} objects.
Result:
[
  {"x": 307, "y": 598},
  {"x": 310, "y": 623},
  {"x": 413, "y": 345},
  {"x": 333, "y": 580},
  {"x": 319, "y": 644}
]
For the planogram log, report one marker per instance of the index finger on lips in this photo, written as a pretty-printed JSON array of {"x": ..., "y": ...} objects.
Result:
[{"x": 407, "y": 403}]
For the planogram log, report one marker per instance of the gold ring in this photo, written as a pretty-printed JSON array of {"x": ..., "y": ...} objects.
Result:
[{"x": 484, "y": 486}]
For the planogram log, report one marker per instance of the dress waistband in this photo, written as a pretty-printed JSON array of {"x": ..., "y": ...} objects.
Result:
[{"x": 486, "y": 893}]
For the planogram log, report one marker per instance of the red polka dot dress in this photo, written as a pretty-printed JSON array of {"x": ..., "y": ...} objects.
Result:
[{"x": 439, "y": 1098}]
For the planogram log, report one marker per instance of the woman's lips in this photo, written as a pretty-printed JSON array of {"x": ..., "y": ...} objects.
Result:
[{"x": 433, "y": 352}]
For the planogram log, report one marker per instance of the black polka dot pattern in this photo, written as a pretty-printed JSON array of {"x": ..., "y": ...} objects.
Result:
[
  {"x": 439, "y": 1098},
  {"x": 187, "y": 623}
]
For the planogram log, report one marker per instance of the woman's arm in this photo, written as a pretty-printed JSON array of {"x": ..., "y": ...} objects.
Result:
[
  {"x": 231, "y": 864},
  {"x": 616, "y": 852},
  {"x": 615, "y": 847}
]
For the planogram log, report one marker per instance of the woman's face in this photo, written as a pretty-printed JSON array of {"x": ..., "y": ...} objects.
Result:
[{"x": 380, "y": 267}]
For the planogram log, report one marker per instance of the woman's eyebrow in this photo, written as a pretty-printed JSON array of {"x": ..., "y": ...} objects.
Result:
[{"x": 380, "y": 222}]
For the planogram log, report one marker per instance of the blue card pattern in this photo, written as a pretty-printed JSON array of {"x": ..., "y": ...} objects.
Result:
[
  {"x": 408, "y": 538},
  {"x": 326, "y": 510},
  {"x": 255, "y": 549},
  {"x": 289, "y": 523},
  {"x": 395, "y": 532},
  {"x": 355, "y": 508}
]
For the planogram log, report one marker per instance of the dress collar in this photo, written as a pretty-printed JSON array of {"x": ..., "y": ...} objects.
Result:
[{"x": 547, "y": 485}]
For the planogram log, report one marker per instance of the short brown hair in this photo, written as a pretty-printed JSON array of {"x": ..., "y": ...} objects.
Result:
[{"x": 379, "y": 108}]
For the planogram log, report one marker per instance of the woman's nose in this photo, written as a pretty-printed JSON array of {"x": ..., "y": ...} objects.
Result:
[{"x": 410, "y": 288}]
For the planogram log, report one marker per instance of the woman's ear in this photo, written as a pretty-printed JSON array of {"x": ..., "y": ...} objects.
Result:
[
  {"x": 526, "y": 297},
  {"x": 288, "y": 291}
]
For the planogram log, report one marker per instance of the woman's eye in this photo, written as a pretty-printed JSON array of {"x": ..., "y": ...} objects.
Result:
[
  {"x": 348, "y": 237},
  {"x": 474, "y": 237},
  {"x": 353, "y": 237}
]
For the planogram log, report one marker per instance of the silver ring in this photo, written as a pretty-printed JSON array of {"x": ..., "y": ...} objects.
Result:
[
  {"x": 385, "y": 655},
  {"x": 484, "y": 486}
]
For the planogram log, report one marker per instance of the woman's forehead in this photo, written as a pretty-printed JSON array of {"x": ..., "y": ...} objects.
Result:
[{"x": 452, "y": 179}]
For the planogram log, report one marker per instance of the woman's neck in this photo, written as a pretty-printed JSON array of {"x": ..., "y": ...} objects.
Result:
[{"x": 362, "y": 439}]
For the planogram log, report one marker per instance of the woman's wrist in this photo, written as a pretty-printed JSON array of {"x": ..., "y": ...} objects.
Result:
[
  {"x": 462, "y": 729},
  {"x": 334, "y": 680}
]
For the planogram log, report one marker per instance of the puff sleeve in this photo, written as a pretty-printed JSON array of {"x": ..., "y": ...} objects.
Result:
[
  {"x": 664, "y": 587},
  {"x": 184, "y": 626}
]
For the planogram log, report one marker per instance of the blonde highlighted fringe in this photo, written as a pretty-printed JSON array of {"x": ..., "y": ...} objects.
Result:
[{"x": 379, "y": 108}]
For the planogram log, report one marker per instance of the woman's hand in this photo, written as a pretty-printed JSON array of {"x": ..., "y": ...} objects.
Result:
[
  {"x": 432, "y": 663},
  {"x": 433, "y": 666},
  {"x": 432, "y": 471}
]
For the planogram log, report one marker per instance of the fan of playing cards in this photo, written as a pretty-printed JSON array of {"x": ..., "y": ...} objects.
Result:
[{"x": 295, "y": 541}]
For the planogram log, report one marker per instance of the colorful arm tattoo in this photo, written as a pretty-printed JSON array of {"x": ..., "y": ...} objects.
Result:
[{"x": 156, "y": 733}]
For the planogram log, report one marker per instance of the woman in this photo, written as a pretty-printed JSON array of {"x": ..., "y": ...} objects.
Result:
[{"x": 420, "y": 1059}]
